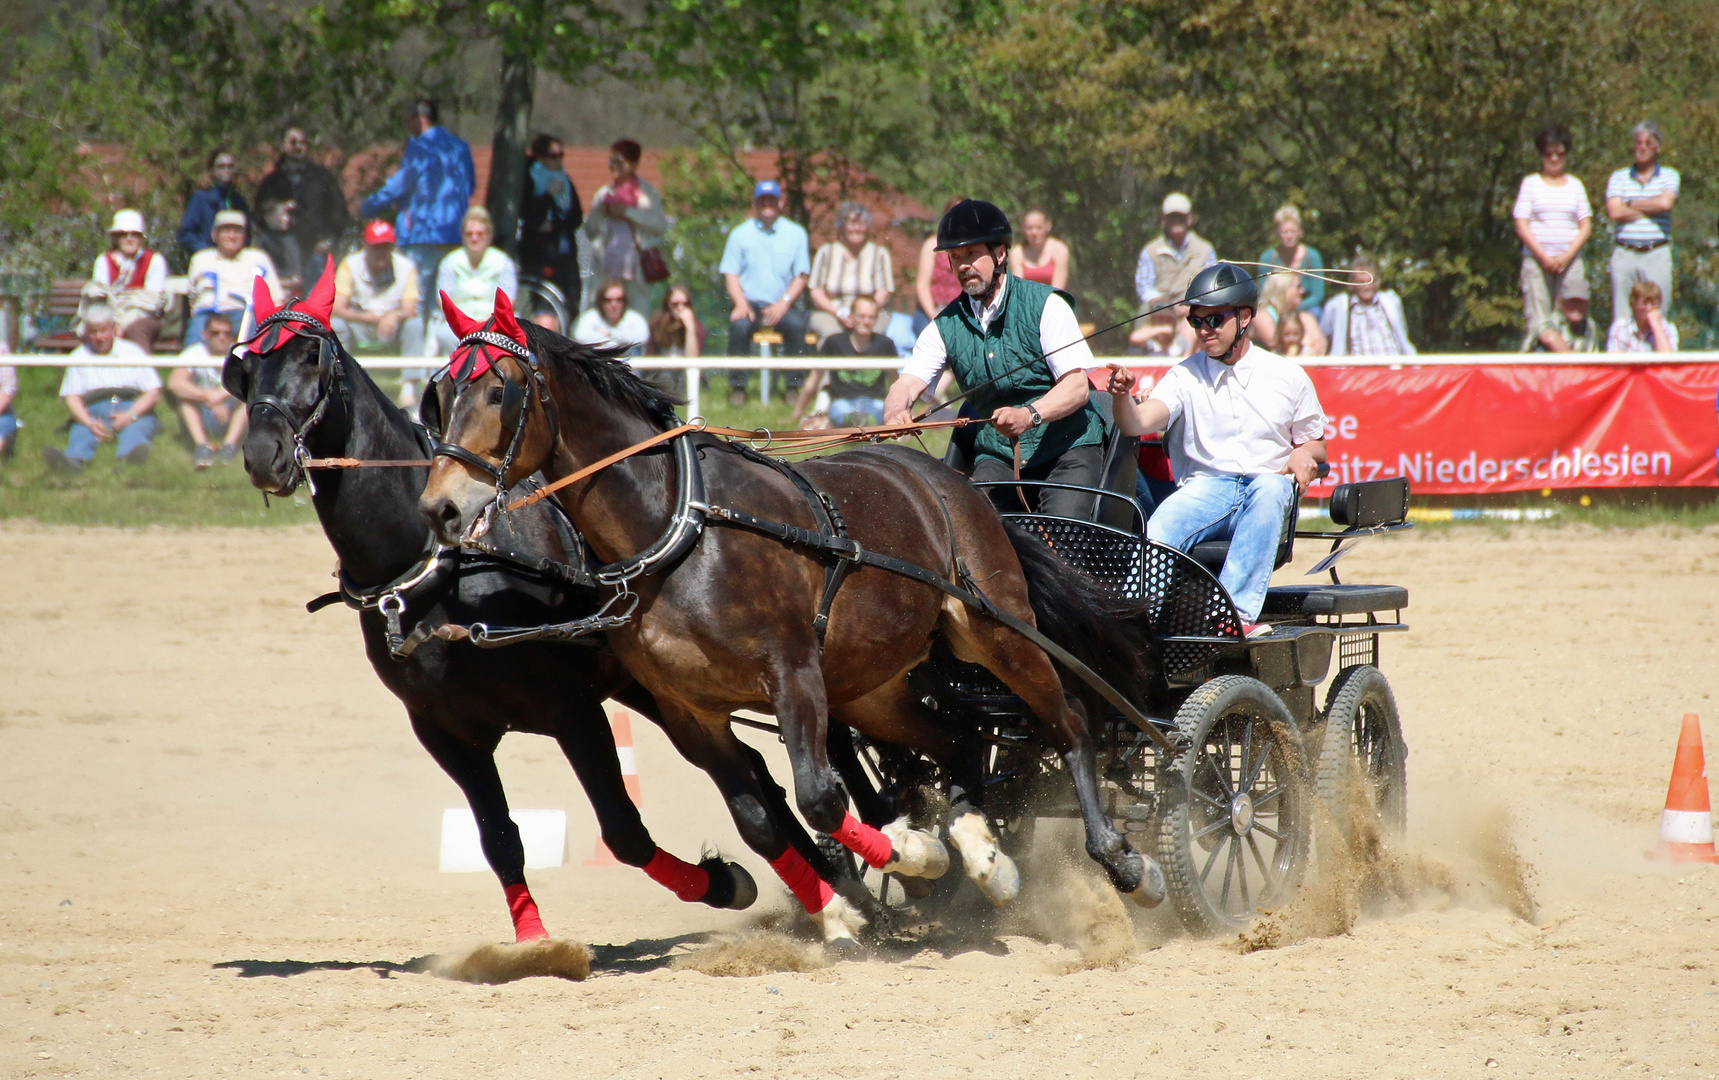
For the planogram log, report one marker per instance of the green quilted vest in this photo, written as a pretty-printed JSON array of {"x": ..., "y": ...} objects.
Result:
[{"x": 978, "y": 357}]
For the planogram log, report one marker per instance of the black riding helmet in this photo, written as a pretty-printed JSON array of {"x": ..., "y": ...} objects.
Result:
[
  {"x": 973, "y": 221},
  {"x": 1223, "y": 285}
]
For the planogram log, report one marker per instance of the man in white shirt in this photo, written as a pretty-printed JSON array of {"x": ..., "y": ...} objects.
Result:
[
  {"x": 204, "y": 404},
  {"x": 107, "y": 402},
  {"x": 221, "y": 276},
  {"x": 1017, "y": 350},
  {"x": 1639, "y": 199},
  {"x": 376, "y": 296},
  {"x": 610, "y": 323},
  {"x": 1245, "y": 433}
]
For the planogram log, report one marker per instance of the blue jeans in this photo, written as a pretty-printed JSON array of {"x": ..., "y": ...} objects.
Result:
[
  {"x": 1248, "y": 511},
  {"x": 857, "y": 409},
  {"x": 8, "y": 424},
  {"x": 81, "y": 444}
]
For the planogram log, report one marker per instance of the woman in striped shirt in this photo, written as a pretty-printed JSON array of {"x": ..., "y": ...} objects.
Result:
[{"x": 1554, "y": 220}]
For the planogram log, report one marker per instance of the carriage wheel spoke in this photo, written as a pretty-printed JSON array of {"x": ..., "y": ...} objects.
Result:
[
  {"x": 1273, "y": 833},
  {"x": 1270, "y": 795},
  {"x": 1222, "y": 774},
  {"x": 1221, "y": 823},
  {"x": 1258, "y": 765},
  {"x": 1218, "y": 804},
  {"x": 1245, "y": 771},
  {"x": 1264, "y": 870},
  {"x": 1210, "y": 860},
  {"x": 1241, "y": 879},
  {"x": 1229, "y": 872}
]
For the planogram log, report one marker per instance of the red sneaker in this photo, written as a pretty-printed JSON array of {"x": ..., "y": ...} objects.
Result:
[{"x": 1253, "y": 630}]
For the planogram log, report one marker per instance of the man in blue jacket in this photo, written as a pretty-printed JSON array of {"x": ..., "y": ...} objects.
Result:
[{"x": 431, "y": 190}]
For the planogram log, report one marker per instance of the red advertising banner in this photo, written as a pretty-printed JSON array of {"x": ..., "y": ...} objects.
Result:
[{"x": 1467, "y": 429}]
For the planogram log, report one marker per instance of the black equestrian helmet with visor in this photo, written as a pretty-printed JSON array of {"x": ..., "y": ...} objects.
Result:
[{"x": 973, "y": 221}]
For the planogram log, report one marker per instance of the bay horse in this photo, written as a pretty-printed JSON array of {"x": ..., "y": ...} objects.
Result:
[
  {"x": 731, "y": 618},
  {"x": 303, "y": 390}
]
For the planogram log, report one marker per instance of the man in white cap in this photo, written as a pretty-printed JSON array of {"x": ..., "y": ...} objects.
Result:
[
  {"x": 106, "y": 402},
  {"x": 130, "y": 280},
  {"x": 221, "y": 276},
  {"x": 1169, "y": 263}
]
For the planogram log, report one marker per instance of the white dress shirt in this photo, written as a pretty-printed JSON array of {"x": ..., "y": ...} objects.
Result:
[
  {"x": 1064, "y": 347},
  {"x": 1237, "y": 420},
  {"x": 81, "y": 379}
]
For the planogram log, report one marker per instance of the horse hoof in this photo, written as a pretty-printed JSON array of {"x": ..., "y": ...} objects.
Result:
[
  {"x": 730, "y": 885},
  {"x": 1002, "y": 882},
  {"x": 844, "y": 947},
  {"x": 916, "y": 853},
  {"x": 1152, "y": 889},
  {"x": 839, "y": 920},
  {"x": 746, "y": 890}
]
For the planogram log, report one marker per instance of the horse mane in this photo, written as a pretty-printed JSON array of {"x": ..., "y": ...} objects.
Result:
[{"x": 606, "y": 373}]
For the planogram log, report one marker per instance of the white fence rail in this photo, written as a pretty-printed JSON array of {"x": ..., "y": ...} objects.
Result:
[{"x": 695, "y": 368}]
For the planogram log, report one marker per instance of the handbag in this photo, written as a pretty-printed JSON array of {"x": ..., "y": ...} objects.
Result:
[{"x": 652, "y": 266}]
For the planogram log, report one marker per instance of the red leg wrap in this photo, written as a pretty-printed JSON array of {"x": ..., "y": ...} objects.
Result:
[
  {"x": 864, "y": 841},
  {"x": 811, "y": 890},
  {"x": 685, "y": 880},
  {"x": 527, "y": 926}
]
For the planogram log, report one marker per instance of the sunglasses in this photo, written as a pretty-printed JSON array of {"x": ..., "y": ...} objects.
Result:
[
  {"x": 614, "y": 299},
  {"x": 1209, "y": 322}
]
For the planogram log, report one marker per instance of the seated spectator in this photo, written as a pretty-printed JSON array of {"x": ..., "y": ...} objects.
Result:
[
  {"x": 8, "y": 418},
  {"x": 626, "y": 216},
  {"x": 1291, "y": 339},
  {"x": 205, "y": 407},
  {"x": 1042, "y": 258},
  {"x": 847, "y": 267},
  {"x": 376, "y": 296},
  {"x": 1292, "y": 253},
  {"x": 471, "y": 275},
  {"x": 549, "y": 220},
  {"x": 319, "y": 206},
  {"x": 130, "y": 281},
  {"x": 936, "y": 284},
  {"x": 106, "y": 402},
  {"x": 200, "y": 210},
  {"x": 221, "y": 276},
  {"x": 1568, "y": 328},
  {"x": 856, "y": 397},
  {"x": 675, "y": 329},
  {"x": 1645, "y": 329},
  {"x": 1280, "y": 305},
  {"x": 1160, "y": 334},
  {"x": 276, "y": 240},
  {"x": 611, "y": 324},
  {"x": 764, "y": 265},
  {"x": 1365, "y": 321}
]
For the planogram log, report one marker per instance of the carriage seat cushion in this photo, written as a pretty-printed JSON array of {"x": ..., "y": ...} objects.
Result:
[{"x": 1284, "y": 600}]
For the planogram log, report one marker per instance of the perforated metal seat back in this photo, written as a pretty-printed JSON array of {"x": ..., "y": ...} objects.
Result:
[
  {"x": 1109, "y": 556},
  {"x": 1187, "y": 601}
]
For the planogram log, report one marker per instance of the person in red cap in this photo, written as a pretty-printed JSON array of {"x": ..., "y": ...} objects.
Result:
[{"x": 376, "y": 297}]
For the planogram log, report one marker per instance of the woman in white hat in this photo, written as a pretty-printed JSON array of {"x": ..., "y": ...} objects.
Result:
[{"x": 129, "y": 279}]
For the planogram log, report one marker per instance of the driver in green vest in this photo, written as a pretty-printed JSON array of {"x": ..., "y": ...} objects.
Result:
[{"x": 1017, "y": 345}]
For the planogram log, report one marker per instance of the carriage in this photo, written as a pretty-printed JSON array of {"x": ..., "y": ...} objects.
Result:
[{"x": 1224, "y": 792}]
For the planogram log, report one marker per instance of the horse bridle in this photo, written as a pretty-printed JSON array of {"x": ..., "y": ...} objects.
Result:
[
  {"x": 516, "y": 398},
  {"x": 328, "y": 375}
]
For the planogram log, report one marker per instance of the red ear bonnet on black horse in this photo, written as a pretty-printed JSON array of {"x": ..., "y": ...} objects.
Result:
[{"x": 319, "y": 306}]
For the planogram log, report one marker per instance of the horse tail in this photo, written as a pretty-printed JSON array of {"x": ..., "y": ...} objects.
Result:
[{"x": 1110, "y": 635}]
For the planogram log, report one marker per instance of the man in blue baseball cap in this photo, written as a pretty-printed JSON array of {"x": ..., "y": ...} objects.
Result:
[{"x": 765, "y": 266}]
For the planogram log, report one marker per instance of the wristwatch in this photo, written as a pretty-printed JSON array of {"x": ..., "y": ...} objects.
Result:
[{"x": 1037, "y": 419}]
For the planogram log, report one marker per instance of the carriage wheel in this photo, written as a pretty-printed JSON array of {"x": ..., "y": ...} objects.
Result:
[
  {"x": 1360, "y": 774},
  {"x": 1233, "y": 836}
]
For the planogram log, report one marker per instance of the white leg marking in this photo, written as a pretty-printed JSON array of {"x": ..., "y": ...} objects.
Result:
[
  {"x": 994, "y": 872},
  {"x": 839, "y": 920},
  {"x": 916, "y": 853}
]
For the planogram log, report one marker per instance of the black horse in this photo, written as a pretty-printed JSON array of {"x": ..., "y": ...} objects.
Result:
[{"x": 303, "y": 390}]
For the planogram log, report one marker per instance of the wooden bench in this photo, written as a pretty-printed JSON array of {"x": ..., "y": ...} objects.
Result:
[{"x": 61, "y": 311}]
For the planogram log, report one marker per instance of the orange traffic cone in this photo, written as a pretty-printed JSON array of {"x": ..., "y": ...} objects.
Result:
[
  {"x": 621, "y": 723},
  {"x": 1686, "y": 829}
]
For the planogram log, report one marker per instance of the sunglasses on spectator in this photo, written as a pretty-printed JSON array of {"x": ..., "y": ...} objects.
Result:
[
  {"x": 621, "y": 299},
  {"x": 1209, "y": 322}
]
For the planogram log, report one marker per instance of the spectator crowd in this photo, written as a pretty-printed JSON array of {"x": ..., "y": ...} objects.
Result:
[{"x": 419, "y": 234}]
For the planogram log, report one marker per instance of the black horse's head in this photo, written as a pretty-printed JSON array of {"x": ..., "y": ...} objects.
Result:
[{"x": 288, "y": 379}]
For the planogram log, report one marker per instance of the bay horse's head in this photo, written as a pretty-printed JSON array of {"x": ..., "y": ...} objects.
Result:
[
  {"x": 287, "y": 379},
  {"x": 492, "y": 418}
]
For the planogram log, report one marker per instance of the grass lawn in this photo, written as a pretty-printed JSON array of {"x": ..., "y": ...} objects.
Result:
[{"x": 167, "y": 491}]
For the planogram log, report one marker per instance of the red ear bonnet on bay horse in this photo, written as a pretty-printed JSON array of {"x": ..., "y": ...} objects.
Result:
[{"x": 481, "y": 344}]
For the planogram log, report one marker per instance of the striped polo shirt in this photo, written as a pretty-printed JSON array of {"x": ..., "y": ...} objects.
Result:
[
  {"x": 1654, "y": 227},
  {"x": 1554, "y": 212}
]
